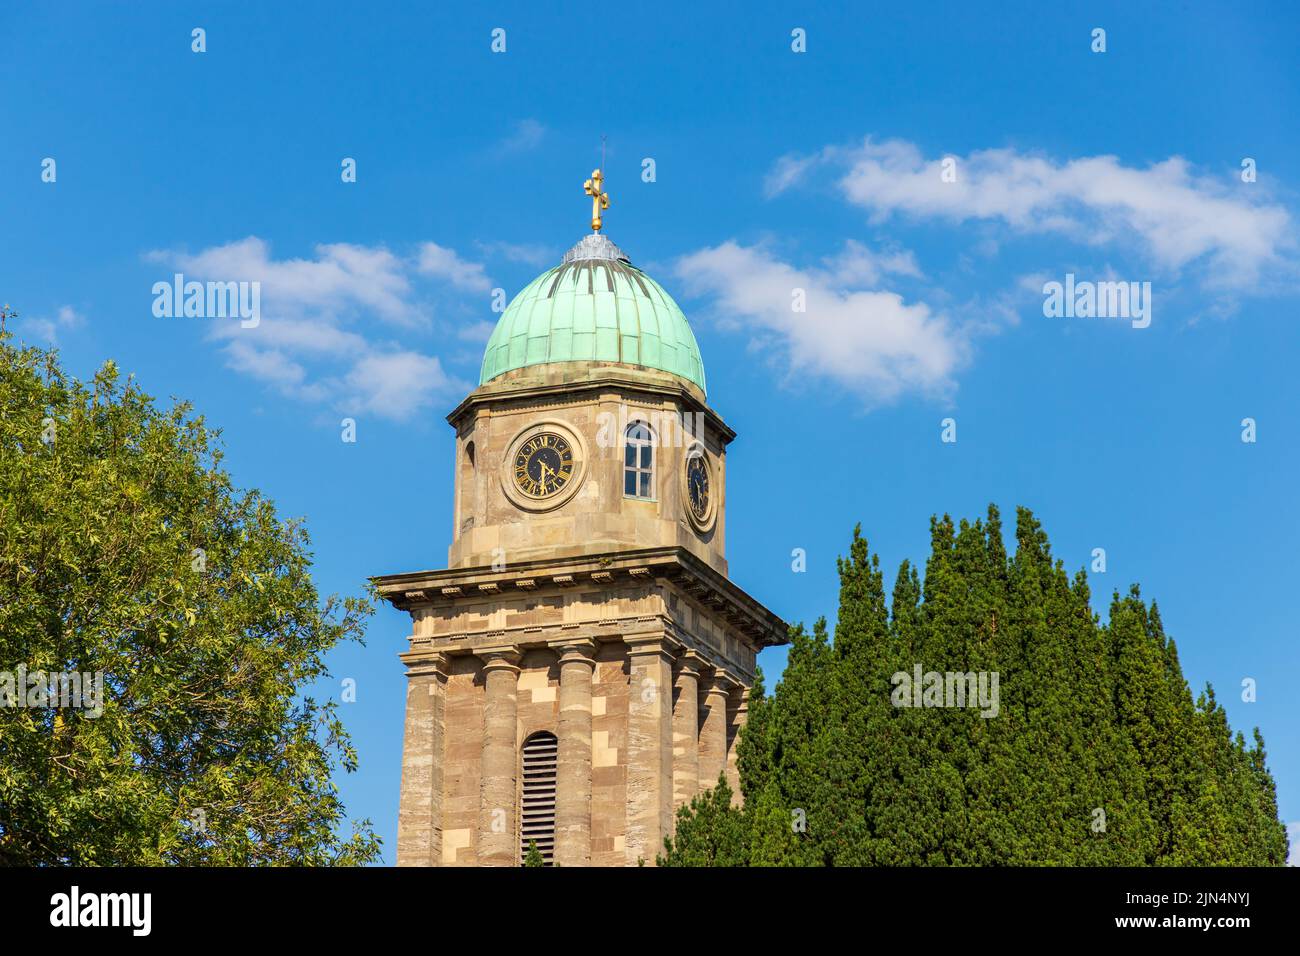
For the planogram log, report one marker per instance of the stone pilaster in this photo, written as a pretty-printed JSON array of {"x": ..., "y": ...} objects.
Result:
[
  {"x": 737, "y": 716},
  {"x": 573, "y": 784},
  {"x": 419, "y": 815},
  {"x": 649, "y": 747},
  {"x": 686, "y": 729},
  {"x": 498, "y": 813},
  {"x": 713, "y": 729}
]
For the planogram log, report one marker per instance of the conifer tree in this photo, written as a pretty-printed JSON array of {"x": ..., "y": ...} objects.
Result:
[
  {"x": 858, "y": 712},
  {"x": 1269, "y": 837},
  {"x": 798, "y": 736},
  {"x": 709, "y": 832},
  {"x": 775, "y": 832},
  {"x": 1097, "y": 755},
  {"x": 901, "y": 807}
]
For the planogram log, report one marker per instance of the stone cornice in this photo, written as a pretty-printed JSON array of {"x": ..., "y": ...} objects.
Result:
[
  {"x": 602, "y": 571},
  {"x": 641, "y": 636},
  {"x": 590, "y": 389},
  {"x": 531, "y": 637}
]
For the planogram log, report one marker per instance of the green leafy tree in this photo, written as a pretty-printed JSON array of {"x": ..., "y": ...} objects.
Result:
[
  {"x": 126, "y": 551},
  {"x": 534, "y": 856}
]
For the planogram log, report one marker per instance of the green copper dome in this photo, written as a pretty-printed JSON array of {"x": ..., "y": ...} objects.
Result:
[{"x": 594, "y": 307}]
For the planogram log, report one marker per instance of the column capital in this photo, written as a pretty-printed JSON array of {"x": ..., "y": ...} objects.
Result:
[
  {"x": 503, "y": 657},
  {"x": 575, "y": 651},
  {"x": 652, "y": 644},
  {"x": 424, "y": 663},
  {"x": 690, "y": 662},
  {"x": 720, "y": 682}
]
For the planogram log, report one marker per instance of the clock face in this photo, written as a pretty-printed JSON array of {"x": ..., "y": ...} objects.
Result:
[
  {"x": 543, "y": 465},
  {"x": 697, "y": 486}
]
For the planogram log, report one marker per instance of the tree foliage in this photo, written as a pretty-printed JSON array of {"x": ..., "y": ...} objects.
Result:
[
  {"x": 709, "y": 832},
  {"x": 1097, "y": 756},
  {"x": 126, "y": 550}
]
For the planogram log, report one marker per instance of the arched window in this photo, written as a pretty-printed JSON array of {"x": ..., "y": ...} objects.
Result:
[
  {"x": 537, "y": 800},
  {"x": 638, "y": 461}
]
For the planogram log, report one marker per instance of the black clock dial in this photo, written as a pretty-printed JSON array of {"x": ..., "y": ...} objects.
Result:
[
  {"x": 697, "y": 486},
  {"x": 543, "y": 465}
]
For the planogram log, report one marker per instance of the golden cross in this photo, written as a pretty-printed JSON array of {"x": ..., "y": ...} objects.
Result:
[{"x": 599, "y": 199}]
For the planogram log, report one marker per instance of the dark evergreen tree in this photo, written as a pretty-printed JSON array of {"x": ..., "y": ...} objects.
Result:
[
  {"x": 857, "y": 732},
  {"x": 1097, "y": 755},
  {"x": 709, "y": 832}
]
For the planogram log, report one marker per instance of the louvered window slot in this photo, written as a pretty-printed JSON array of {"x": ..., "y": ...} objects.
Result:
[{"x": 537, "y": 801}]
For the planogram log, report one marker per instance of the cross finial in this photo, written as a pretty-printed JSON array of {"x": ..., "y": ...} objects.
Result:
[{"x": 599, "y": 198}]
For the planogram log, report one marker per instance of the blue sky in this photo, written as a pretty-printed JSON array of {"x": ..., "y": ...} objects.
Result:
[{"x": 774, "y": 170}]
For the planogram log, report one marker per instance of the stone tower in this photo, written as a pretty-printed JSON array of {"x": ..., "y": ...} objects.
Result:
[{"x": 582, "y": 666}]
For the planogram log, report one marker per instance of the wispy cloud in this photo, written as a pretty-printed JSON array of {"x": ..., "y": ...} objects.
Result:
[
  {"x": 527, "y": 134},
  {"x": 396, "y": 384},
  {"x": 443, "y": 263},
  {"x": 476, "y": 331},
  {"x": 536, "y": 255},
  {"x": 46, "y": 328},
  {"x": 867, "y": 339},
  {"x": 1226, "y": 231},
  {"x": 318, "y": 341},
  {"x": 340, "y": 276}
]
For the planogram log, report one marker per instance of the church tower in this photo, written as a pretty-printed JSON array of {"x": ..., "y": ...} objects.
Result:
[{"x": 582, "y": 666}]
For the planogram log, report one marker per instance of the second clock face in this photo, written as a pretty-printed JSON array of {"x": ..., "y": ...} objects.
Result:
[
  {"x": 697, "y": 486},
  {"x": 543, "y": 465}
]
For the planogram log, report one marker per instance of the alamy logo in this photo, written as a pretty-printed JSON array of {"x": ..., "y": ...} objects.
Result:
[
  {"x": 209, "y": 300},
  {"x": 947, "y": 689},
  {"x": 668, "y": 429},
  {"x": 53, "y": 689},
  {"x": 1102, "y": 300},
  {"x": 103, "y": 909}
]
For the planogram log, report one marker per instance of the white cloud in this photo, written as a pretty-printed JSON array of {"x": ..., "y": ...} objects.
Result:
[
  {"x": 476, "y": 331},
  {"x": 1179, "y": 219},
  {"x": 47, "y": 328},
  {"x": 867, "y": 339},
  {"x": 1293, "y": 834},
  {"x": 396, "y": 384},
  {"x": 528, "y": 134},
  {"x": 314, "y": 342},
  {"x": 444, "y": 263},
  {"x": 529, "y": 254},
  {"x": 341, "y": 276},
  {"x": 790, "y": 170},
  {"x": 270, "y": 365},
  {"x": 858, "y": 264}
]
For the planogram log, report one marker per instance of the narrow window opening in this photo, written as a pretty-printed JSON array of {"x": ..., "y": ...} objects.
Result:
[
  {"x": 638, "y": 462},
  {"x": 537, "y": 800}
]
